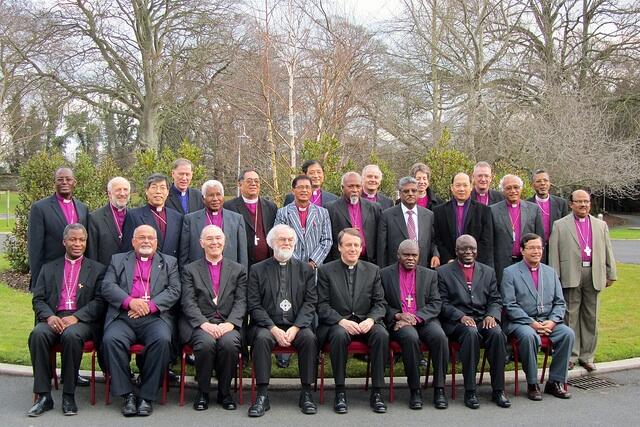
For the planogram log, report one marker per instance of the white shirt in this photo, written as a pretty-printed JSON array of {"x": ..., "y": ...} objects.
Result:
[{"x": 415, "y": 217}]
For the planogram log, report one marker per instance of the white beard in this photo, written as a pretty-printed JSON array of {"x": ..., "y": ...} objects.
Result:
[
  {"x": 354, "y": 200},
  {"x": 282, "y": 255}
]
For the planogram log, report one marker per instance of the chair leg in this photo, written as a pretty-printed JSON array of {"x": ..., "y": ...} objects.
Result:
[
  {"x": 253, "y": 383},
  {"x": 93, "y": 378},
  {"x": 426, "y": 378},
  {"x": 165, "y": 387},
  {"x": 183, "y": 373},
  {"x": 453, "y": 357},
  {"x": 547, "y": 350},
  {"x": 54, "y": 372},
  {"x": 366, "y": 382},
  {"x": 321, "y": 377},
  {"x": 239, "y": 377},
  {"x": 107, "y": 387},
  {"x": 515, "y": 349},
  {"x": 391, "y": 360},
  {"x": 484, "y": 364}
]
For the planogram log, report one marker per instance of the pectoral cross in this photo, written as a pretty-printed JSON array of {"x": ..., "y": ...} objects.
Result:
[
  {"x": 255, "y": 240},
  {"x": 69, "y": 304},
  {"x": 146, "y": 298},
  {"x": 587, "y": 250},
  {"x": 408, "y": 298}
]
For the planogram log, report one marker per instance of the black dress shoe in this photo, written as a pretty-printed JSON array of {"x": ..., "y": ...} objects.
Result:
[
  {"x": 500, "y": 399},
  {"x": 440, "y": 399},
  {"x": 190, "y": 359},
  {"x": 69, "y": 406},
  {"x": 533, "y": 392},
  {"x": 129, "y": 407},
  {"x": 471, "y": 399},
  {"x": 556, "y": 389},
  {"x": 82, "y": 381},
  {"x": 260, "y": 407},
  {"x": 306, "y": 404},
  {"x": 173, "y": 377},
  {"x": 377, "y": 404},
  {"x": 283, "y": 360},
  {"x": 415, "y": 400},
  {"x": 202, "y": 401},
  {"x": 42, "y": 405},
  {"x": 340, "y": 403},
  {"x": 227, "y": 402},
  {"x": 145, "y": 408}
]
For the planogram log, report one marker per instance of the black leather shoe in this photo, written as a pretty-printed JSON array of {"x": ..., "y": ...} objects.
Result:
[
  {"x": 82, "y": 381},
  {"x": 500, "y": 399},
  {"x": 283, "y": 360},
  {"x": 202, "y": 401},
  {"x": 42, "y": 405},
  {"x": 556, "y": 389},
  {"x": 173, "y": 377},
  {"x": 145, "y": 408},
  {"x": 129, "y": 407},
  {"x": 227, "y": 402},
  {"x": 533, "y": 392},
  {"x": 260, "y": 407},
  {"x": 471, "y": 399},
  {"x": 415, "y": 400},
  {"x": 69, "y": 406},
  {"x": 306, "y": 404},
  {"x": 377, "y": 404},
  {"x": 340, "y": 403},
  {"x": 440, "y": 399},
  {"x": 190, "y": 359}
]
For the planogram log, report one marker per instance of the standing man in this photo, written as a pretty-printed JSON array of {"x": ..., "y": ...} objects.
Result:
[
  {"x": 140, "y": 287},
  {"x": 281, "y": 299},
  {"x": 47, "y": 219},
  {"x": 319, "y": 197},
  {"x": 182, "y": 197},
  {"x": 413, "y": 307},
  {"x": 259, "y": 215},
  {"x": 471, "y": 314},
  {"x": 353, "y": 211},
  {"x": 106, "y": 224},
  {"x": 351, "y": 306},
  {"x": 482, "y": 192},
  {"x": 214, "y": 303},
  {"x": 213, "y": 213},
  {"x": 532, "y": 298},
  {"x": 407, "y": 220},
  {"x": 371, "y": 180},
  {"x": 69, "y": 307},
  {"x": 580, "y": 252},
  {"x": 459, "y": 216},
  {"x": 426, "y": 197},
  {"x": 512, "y": 219}
]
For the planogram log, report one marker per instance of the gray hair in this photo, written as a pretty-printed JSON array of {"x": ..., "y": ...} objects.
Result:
[
  {"x": 408, "y": 244},
  {"x": 466, "y": 237},
  {"x": 277, "y": 230},
  {"x": 75, "y": 226},
  {"x": 212, "y": 183},
  {"x": 406, "y": 180},
  {"x": 182, "y": 162},
  {"x": 350, "y": 173},
  {"x": 376, "y": 167},
  {"x": 209, "y": 228},
  {"x": 113, "y": 180},
  {"x": 517, "y": 178},
  {"x": 420, "y": 167},
  {"x": 481, "y": 164}
]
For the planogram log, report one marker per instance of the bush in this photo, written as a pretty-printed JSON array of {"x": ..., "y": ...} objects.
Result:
[{"x": 445, "y": 162}]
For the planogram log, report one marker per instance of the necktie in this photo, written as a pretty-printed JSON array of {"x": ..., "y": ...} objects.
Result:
[{"x": 411, "y": 226}]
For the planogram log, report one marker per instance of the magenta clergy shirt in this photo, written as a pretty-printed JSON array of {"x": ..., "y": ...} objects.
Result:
[
  {"x": 302, "y": 214},
  {"x": 423, "y": 201},
  {"x": 118, "y": 217},
  {"x": 214, "y": 218},
  {"x": 545, "y": 209},
  {"x": 355, "y": 214},
  {"x": 534, "y": 275},
  {"x": 316, "y": 197},
  {"x": 371, "y": 198},
  {"x": 459, "y": 219},
  {"x": 407, "y": 289},
  {"x": 252, "y": 208},
  {"x": 214, "y": 272},
  {"x": 583, "y": 230},
  {"x": 68, "y": 209},
  {"x": 467, "y": 271},
  {"x": 141, "y": 283},
  {"x": 514, "y": 219},
  {"x": 483, "y": 198},
  {"x": 68, "y": 300}
]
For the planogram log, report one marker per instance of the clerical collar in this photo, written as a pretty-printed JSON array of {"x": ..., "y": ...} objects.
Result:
[
  {"x": 64, "y": 199},
  {"x": 540, "y": 199},
  {"x": 117, "y": 208},
  {"x": 316, "y": 191},
  {"x": 347, "y": 266},
  {"x": 250, "y": 201},
  {"x": 466, "y": 265},
  {"x": 182, "y": 193},
  {"x": 580, "y": 219},
  {"x": 302, "y": 209},
  {"x": 370, "y": 196},
  {"x": 514, "y": 205},
  {"x": 532, "y": 268},
  {"x": 460, "y": 203},
  {"x": 144, "y": 258},
  {"x": 156, "y": 208},
  {"x": 480, "y": 193},
  {"x": 73, "y": 261}
]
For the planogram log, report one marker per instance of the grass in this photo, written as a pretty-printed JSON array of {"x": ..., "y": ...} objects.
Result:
[
  {"x": 7, "y": 225},
  {"x": 625, "y": 233},
  {"x": 13, "y": 201}
]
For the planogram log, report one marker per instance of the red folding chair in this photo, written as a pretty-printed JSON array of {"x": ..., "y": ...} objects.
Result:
[
  {"x": 355, "y": 347},
  {"x": 394, "y": 347},
  {"x": 545, "y": 345},
  {"x": 87, "y": 348}
]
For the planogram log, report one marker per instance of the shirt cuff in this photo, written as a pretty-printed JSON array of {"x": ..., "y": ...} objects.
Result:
[
  {"x": 153, "y": 308},
  {"x": 125, "y": 303}
]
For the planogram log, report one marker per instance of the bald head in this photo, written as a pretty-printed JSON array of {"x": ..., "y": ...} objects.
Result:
[
  {"x": 408, "y": 254},
  {"x": 580, "y": 203},
  {"x": 118, "y": 190},
  {"x": 64, "y": 182},
  {"x": 145, "y": 241},
  {"x": 352, "y": 186},
  {"x": 466, "y": 249},
  {"x": 461, "y": 187}
]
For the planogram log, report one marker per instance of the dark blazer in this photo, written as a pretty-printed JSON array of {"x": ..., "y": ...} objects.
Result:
[
  {"x": 262, "y": 293},
  {"x": 339, "y": 216},
  {"x": 327, "y": 199},
  {"x": 197, "y": 296},
  {"x": 477, "y": 223},
  {"x": 384, "y": 202},
  {"x": 457, "y": 301},
  {"x": 118, "y": 281},
  {"x": 494, "y": 196},
  {"x": 195, "y": 200},
  {"x": 268, "y": 209},
  {"x": 392, "y": 230},
  {"x": 433, "y": 200},
  {"x": 44, "y": 232},
  {"x": 169, "y": 245},
  {"x": 559, "y": 208},
  {"x": 103, "y": 240},
  {"x": 427, "y": 295},
  {"x": 46, "y": 292}
]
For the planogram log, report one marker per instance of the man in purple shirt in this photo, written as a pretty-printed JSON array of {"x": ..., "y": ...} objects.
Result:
[{"x": 371, "y": 180}]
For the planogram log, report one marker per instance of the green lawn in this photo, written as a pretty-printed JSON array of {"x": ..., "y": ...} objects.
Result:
[
  {"x": 13, "y": 201},
  {"x": 625, "y": 233}
]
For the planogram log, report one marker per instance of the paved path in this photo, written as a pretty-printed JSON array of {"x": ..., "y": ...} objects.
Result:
[{"x": 626, "y": 251}]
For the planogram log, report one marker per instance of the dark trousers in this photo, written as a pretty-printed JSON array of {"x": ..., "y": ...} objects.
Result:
[
  {"x": 151, "y": 331},
  {"x": 221, "y": 353},
  {"x": 378, "y": 341},
  {"x": 306, "y": 346},
  {"x": 432, "y": 334},
  {"x": 495, "y": 344},
  {"x": 42, "y": 339}
]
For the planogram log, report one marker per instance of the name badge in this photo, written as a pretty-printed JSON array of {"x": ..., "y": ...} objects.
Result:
[{"x": 586, "y": 263}]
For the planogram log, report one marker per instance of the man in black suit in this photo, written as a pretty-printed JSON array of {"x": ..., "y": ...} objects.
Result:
[
  {"x": 140, "y": 288},
  {"x": 459, "y": 216},
  {"x": 106, "y": 224},
  {"x": 319, "y": 197},
  {"x": 407, "y": 220},
  {"x": 214, "y": 303},
  {"x": 471, "y": 313},
  {"x": 259, "y": 215},
  {"x": 371, "y": 180},
  {"x": 482, "y": 192},
  {"x": 353, "y": 211},
  {"x": 413, "y": 306},
  {"x": 182, "y": 197},
  {"x": 351, "y": 306},
  {"x": 47, "y": 219},
  {"x": 68, "y": 308},
  {"x": 281, "y": 299}
]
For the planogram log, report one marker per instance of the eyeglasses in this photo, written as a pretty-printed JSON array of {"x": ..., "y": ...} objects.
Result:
[
  {"x": 252, "y": 181},
  {"x": 533, "y": 248},
  {"x": 302, "y": 187},
  {"x": 582, "y": 202},
  {"x": 146, "y": 238}
]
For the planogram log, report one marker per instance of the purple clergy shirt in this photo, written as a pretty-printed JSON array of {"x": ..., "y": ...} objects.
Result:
[
  {"x": 252, "y": 208},
  {"x": 459, "y": 219},
  {"x": 68, "y": 209},
  {"x": 467, "y": 271},
  {"x": 407, "y": 280},
  {"x": 482, "y": 198},
  {"x": 214, "y": 218},
  {"x": 371, "y": 198},
  {"x": 355, "y": 214},
  {"x": 534, "y": 275},
  {"x": 161, "y": 219},
  {"x": 68, "y": 300},
  {"x": 514, "y": 219},
  {"x": 214, "y": 272},
  {"x": 545, "y": 209},
  {"x": 118, "y": 218},
  {"x": 583, "y": 230},
  {"x": 316, "y": 197},
  {"x": 141, "y": 283},
  {"x": 423, "y": 201}
]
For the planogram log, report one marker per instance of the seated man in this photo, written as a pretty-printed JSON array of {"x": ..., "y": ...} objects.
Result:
[
  {"x": 471, "y": 312},
  {"x": 68, "y": 309},
  {"x": 214, "y": 302},
  {"x": 532, "y": 297},
  {"x": 351, "y": 306},
  {"x": 281, "y": 298},
  {"x": 413, "y": 307},
  {"x": 140, "y": 286}
]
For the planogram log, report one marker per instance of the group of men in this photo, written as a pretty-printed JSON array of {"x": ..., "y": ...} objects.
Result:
[{"x": 190, "y": 268}]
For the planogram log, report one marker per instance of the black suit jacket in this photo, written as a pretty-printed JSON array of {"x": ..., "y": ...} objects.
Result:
[
  {"x": 168, "y": 245},
  {"x": 427, "y": 295},
  {"x": 262, "y": 293},
  {"x": 268, "y": 209},
  {"x": 195, "y": 200},
  {"x": 494, "y": 196},
  {"x": 477, "y": 223},
  {"x": 559, "y": 208},
  {"x": 103, "y": 240},
  {"x": 197, "y": 296},
  {"x": 483, "y": 300},
  {"x": 339, "y": 215},
  {"x": 44, "y": 232},
  {"x": 327, "y": 199},
  {"x": 384, "y": 202}
]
